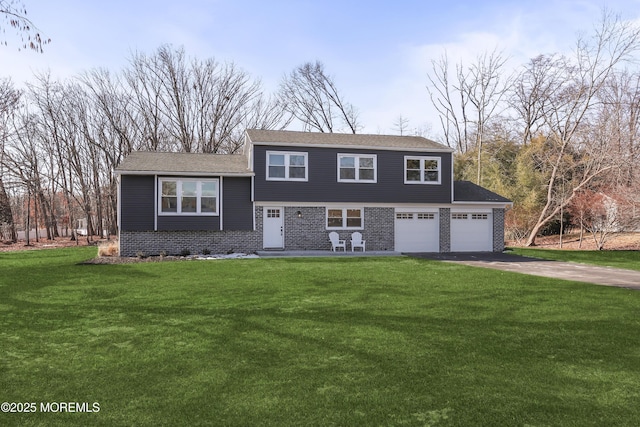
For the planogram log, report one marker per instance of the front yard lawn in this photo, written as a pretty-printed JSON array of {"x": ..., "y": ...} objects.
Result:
[
  {"x": 618, "y": 259},
  {"x": 388, "y": 341}
]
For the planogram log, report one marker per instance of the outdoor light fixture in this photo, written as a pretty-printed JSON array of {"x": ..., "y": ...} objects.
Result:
[{"x": 299, "y": 213}]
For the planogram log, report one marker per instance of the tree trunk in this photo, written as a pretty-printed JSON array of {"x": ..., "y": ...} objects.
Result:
[
  {"x": 6, "y": 215},
  {"x": 47, "y": 215},
  {"x": 27, "y": 228},
  {"x": 581, "y": 235}
]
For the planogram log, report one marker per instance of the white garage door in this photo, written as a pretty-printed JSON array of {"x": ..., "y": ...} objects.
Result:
[
  {"x": 417, "y": 232},
  {"x": 471, "y": 232}
]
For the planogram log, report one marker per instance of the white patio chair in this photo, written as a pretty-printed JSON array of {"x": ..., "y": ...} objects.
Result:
[
  {"x": 336, "y": 242},
  {"x": 356, "y": 241}
]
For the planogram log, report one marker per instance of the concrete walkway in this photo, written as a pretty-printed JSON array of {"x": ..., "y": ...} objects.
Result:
[
  {"x": 555, "y": 269},
  {"x": 275, "y": 253}
]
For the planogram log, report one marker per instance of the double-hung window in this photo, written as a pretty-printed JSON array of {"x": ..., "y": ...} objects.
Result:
[
  {"x": 357, "y": 168},
  {"x": 422, "y": 170},
  {"x": 344, "y": 218},
  {"x": 185, "y": 196},
  {"x": 284, "y": 166}
]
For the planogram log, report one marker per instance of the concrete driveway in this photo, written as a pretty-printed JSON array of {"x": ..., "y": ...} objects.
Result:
[{"x": 556, "y": 269}]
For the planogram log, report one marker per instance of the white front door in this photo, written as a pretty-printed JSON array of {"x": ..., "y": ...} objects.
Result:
[{"x": 273, "y": 228}]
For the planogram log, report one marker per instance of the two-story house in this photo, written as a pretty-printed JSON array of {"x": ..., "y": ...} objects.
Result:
[{"x": 289, "y": 190}]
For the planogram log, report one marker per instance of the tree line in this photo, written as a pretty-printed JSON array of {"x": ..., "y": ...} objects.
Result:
[
  {"x": 558, "y": 136},
  {"x": 61, "y": 140},
  {"x": 561, "y": 129}
]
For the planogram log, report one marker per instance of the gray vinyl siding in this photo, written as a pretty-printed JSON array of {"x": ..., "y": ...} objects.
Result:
[
  {"x": 237, "y": 207},
  {"x": 137, "y": 201},
  {"x": 188, "y": 223},
  {"x": 323, "y": 185}
]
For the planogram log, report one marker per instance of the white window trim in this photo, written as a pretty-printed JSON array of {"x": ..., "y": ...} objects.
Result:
[
  {"x": 422, "y": 160},
  {"x": 357, "y": 167},
  {"x": 344, "y": 218},
  {"x": 286, "y": 155},
  {"x": 179, "y": 182}
]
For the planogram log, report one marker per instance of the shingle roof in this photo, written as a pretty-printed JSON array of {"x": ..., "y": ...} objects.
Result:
[
  {"x": 184, "y": 163},
  {"x": 389, "y": 142},
  {"x": 466, "y": 191}
]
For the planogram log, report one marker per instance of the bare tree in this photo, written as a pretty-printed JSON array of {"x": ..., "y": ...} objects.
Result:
[
  {"x": 568, "y": 113},
  {"x": 145, "y": 93},
  {"x": 312, "y": 97},
  {"x": 401, "y": 125},
  {"x": 193, "y": 106},
  {"x": 9, "y": 98},
  {"x": 485, "y": 87},
  {"x": 226, "y": 97},
  {"x": 468, "y": 104},
  {"x": 453, "y": 114},
  {"x": 15, "y": 16},
  {"x": 267, "y": 112},
  {"x": 618, "y": 112},
  {"x": 24, "y": 159},
  {"x": 532, "y": 89}
]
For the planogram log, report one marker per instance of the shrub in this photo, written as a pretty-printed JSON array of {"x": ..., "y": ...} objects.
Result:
[{"x": 109, "y": 248}]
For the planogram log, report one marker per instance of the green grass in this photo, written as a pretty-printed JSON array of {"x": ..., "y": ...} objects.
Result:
[
  {"x": 313, "y": 342},
  {"x": 618, "y": 259}
]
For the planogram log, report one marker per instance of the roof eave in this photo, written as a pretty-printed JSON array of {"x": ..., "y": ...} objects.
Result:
[
  {"x": 355, "y": 147},
  {"x": 182, "y": 173},
  {"x": 485, "y": 202}
]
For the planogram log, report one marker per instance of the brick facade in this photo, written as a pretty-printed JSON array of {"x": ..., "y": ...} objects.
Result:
[
  {"x": 498, "y": 230},
  {"x": 307, "y": 232},
  {"x": 379, "y": 228},
  {"x": 133, "y": 243},
  {"x": 445, "y": 229}
]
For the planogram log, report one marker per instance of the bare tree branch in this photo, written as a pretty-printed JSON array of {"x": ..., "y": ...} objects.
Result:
[
  {"x": 312, "y": 97},
  {"x": 14, "y": 15}
]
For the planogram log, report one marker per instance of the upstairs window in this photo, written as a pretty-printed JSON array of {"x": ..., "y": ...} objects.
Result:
[
  {"x": 357, "y": 168},
  {"x": 282, "y": 166},
  {"x": 188, "y": 196},
  {"x": 422, "y": 170}
]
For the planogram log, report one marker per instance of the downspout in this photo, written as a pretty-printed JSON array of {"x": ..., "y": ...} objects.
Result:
[
  {"x": 119, "y": 212},
  {"x": 220, "y": 204},
  {"x": 452, "y": 178}
]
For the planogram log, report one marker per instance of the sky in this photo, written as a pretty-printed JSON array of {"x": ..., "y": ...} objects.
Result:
[{"x": 378, "y": 52}]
